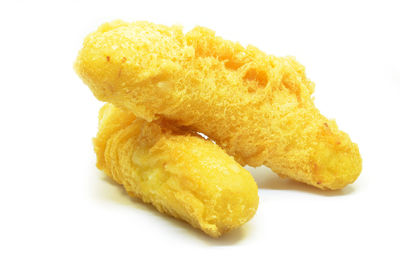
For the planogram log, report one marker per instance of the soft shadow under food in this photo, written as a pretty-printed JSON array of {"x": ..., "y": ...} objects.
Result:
[
  {"x": 120, "y": 196},
  {"x": 266, "y": 179}
]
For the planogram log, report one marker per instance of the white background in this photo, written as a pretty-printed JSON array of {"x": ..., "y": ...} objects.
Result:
[{"x": 57, "y": 208}]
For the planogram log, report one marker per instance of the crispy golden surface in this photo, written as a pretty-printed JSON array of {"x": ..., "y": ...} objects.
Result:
[
  {"x": 256, "y": 106},
  {"x": 180, "y": 174}
]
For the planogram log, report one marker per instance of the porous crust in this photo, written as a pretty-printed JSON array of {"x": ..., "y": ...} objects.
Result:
[
  {"x": 257, "y": 107},
  {"x": 181, "y": 174}
]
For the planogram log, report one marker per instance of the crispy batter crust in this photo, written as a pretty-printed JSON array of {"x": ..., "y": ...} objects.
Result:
[
  {"x": 181, "y": 174},
  {"x": 257, "y": 107}
]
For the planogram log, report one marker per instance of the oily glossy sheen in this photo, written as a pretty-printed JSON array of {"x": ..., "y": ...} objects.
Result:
[
  {"x": 181, "y": 174},
  {"x": 257, "y": 107}
]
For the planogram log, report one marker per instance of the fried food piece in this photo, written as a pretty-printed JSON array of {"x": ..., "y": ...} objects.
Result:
[
  {"x": 257, "y": 107},
  {"x": 180, "y": 174}
]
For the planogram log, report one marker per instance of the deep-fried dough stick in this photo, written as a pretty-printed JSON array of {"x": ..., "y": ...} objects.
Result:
[
  {"x": 257, "y": 107},
  {"x": 180, "y": 174}
]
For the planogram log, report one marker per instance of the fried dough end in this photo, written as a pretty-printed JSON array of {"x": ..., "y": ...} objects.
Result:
[
  {"x": 257, "y": 107},
  {"x": 182, "y": 175}
]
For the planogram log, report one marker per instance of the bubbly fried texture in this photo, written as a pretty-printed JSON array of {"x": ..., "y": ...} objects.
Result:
[
  {"x": 182, "y": 175},
  {"x": 257, "y": 107}
]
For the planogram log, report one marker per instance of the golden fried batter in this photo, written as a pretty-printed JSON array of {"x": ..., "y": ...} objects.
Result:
[
  {"x": 256, "y": 106},
  {"x": 180, "y": 174}
]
